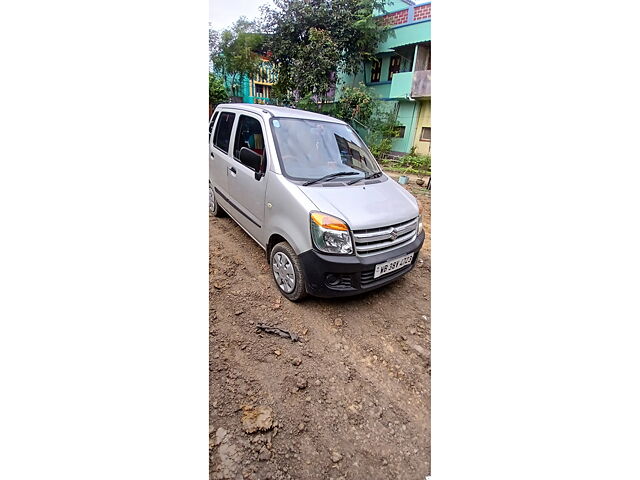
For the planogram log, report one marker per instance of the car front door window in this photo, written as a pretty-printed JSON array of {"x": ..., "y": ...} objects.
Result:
[{"x": 248, "y": 135}]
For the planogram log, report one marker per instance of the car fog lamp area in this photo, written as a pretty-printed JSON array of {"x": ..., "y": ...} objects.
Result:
[{"x": 330, "y": 234}]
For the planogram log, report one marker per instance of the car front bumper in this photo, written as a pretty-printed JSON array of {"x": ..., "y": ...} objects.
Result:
[{"x": 340, "y": 276}]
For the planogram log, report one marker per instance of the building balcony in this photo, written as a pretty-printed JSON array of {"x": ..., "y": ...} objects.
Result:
[
  {"x": 411, "y": 84},
  {"x": 421, "y": 85},
  {"x": 401, "y": 85}
]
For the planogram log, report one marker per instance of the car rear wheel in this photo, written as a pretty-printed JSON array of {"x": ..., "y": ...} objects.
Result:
[
  {"x": 214, "y": 207},
  {"x": 287, "y": 272}
]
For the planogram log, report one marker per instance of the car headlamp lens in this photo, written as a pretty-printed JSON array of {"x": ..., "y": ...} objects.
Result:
[
  {"x": 327, "y": 221},
  {"x": 330, "y": 234}
]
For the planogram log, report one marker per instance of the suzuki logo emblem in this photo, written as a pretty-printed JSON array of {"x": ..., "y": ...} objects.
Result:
[{"x": 394, "y": 234}]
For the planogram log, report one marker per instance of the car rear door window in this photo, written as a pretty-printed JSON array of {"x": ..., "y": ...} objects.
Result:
[{"x": 222, "y": 136}]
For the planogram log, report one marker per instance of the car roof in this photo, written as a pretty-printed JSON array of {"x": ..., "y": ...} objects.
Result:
[{"x": 280, "y": 111}]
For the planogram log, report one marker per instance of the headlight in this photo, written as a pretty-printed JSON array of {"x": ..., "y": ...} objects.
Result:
[
  {"x": 330, "y": 234},
  {"x": 420, "y": 226}
]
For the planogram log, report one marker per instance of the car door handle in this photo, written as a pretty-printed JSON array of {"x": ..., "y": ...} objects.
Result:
[{"x": 232, "y": 170}]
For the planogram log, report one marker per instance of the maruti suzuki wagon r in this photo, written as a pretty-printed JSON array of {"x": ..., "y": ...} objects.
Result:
[{"x": 307, "y": 189}]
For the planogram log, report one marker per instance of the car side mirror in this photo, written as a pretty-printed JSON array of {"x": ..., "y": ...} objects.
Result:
[{"x": 252, "y": 160}]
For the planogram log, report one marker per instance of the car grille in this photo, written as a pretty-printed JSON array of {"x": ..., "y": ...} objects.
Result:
[{"x": 373, "y": 241}]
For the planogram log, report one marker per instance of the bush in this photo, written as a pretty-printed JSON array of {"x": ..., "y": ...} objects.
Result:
[
  {"x": 382, "y": 131},
  {"x": 307, "y": 103},
  {"x": 414, "y": 163},
  {"x": 217, "y": 92},
  {"x": 356, "y": 103}
]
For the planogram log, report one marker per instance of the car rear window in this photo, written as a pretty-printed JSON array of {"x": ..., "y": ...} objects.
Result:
[
  {"x": 213, "y": 120},
  {"x": 223, "y": 131}
]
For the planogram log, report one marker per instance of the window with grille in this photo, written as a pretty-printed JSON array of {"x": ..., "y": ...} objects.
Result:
[
  {"x": 394, "y": 66},
  {"x": 376, "y": 68}
]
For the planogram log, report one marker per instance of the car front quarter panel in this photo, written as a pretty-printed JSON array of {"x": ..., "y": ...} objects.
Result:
[{"x": 287, "y": 213}]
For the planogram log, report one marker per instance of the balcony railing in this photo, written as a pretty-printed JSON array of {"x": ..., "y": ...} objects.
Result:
[{"x": 421, "y": 85}]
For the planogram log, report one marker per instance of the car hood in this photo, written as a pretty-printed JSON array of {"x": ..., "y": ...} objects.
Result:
[{"x": 365, "y": 206}]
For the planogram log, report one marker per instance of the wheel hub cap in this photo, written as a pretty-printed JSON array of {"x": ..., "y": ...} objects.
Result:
[{"x": 283, "y": 272}]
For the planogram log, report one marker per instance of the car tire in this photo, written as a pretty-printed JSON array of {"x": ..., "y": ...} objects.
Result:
[
  {"x": 214, "y": 207},
  {"x": 287, "y": 272}
]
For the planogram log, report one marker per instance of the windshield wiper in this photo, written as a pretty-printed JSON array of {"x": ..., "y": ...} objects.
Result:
[
  {"x": 366, "y": 177},
  {"x": 328, "y": 177}
]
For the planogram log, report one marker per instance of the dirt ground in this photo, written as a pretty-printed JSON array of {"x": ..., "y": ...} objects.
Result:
[{"x": 351, "y": 400}]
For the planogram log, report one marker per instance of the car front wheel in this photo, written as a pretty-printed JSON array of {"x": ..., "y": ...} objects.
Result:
[{"x": 287, "y": 272}]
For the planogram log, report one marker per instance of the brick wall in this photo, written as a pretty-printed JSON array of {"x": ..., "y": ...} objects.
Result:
[
  {"x": 422, "y": 12},
  {"x": 395, "y": 18}
]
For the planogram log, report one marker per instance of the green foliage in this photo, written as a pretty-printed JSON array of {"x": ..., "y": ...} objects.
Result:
[
  {"x": 307, "y": 103},
  {"x": 217, "y": 93},
  {"x": 382, "y": 131},
  {"x": 233, "y": 52},
  {"x": 416, "y": 162},
  {"x": 356, "y": 103},
  {"x": 312, "y": 40},
  {"x": 412, "y": 163},
  {"x": 312, "y": 72},
  {"x": 381, "y": 147}
]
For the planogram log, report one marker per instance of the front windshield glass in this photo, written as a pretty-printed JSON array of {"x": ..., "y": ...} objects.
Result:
[{"x": 312, "y": 149}]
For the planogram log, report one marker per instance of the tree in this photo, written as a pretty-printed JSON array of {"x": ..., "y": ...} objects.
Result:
[
  {"x": 313, "y": 72},
  {"x": 312, "y": 40},
  {"x": 217, "y": 93},
  {"x": 214, "y": 41},
  {"x": 233, "y": 52}
]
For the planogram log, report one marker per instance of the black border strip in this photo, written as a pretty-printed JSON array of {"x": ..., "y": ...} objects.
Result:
[{"x": 237, "y": 208}]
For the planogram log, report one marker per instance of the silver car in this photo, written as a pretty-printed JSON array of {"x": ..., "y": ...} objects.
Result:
[{"x": 307, "y": 189}]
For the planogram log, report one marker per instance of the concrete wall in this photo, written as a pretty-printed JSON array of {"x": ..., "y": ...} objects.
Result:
[
  {"x": 407, "y": 115},
  {"x": 407, "y": 34},
  {"x": 424, "y": 120}
]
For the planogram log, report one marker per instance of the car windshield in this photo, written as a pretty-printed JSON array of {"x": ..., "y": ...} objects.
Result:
[{"x": 312, "y": 149}]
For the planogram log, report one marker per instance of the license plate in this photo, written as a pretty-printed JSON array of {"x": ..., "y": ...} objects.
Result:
[{"x": 392, "y": 265}]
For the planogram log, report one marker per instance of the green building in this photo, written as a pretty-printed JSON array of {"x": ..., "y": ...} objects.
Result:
[
  {"x": 401, "y": 73},
  {"x": 252, "y": 90}
]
